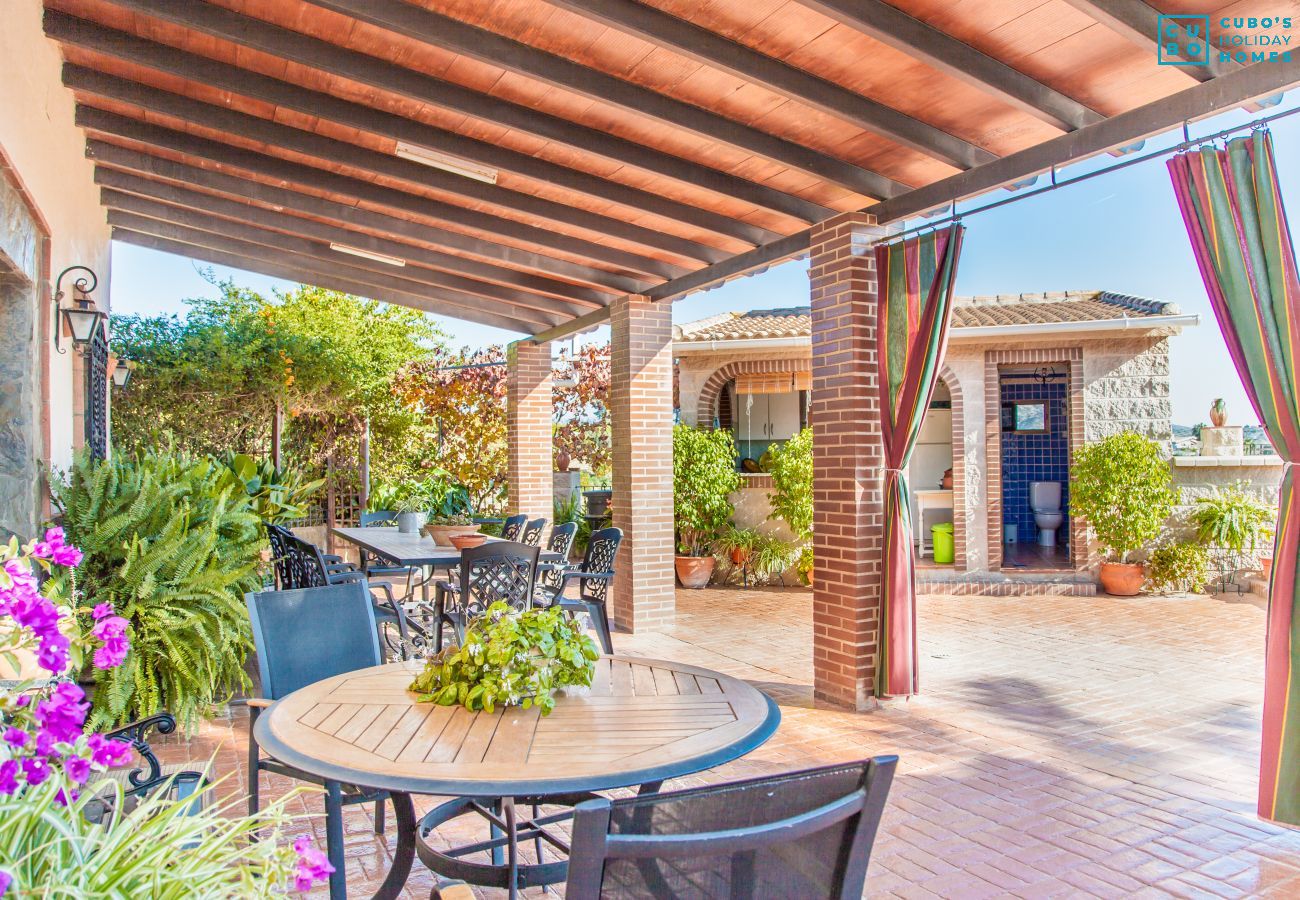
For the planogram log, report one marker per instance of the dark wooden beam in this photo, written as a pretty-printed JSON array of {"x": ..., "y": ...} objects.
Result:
[
  {"x": 130, "y": 210},
  {"x": 1136, "y": 22},
  {"x": 750, "y": 262},
  {"x": 1196, "y": 102},
  {"x": 120, "y": 188},
  {"x": 577, "y": 326},
  {"x": 120, "y": 45},
  {"x": 330, "y": 58},
  {"x": 486, "y": 46},
  {"x": 229, "y": 252},
  {"x": 717, "y": 52},
  {"x": 123, "y": 160},
  {"x": 109, "y": 123},
  {"x": 896, "y": 28},
  {"x": 253, "y": 128}
]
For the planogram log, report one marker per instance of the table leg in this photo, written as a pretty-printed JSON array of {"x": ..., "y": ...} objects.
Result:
[
  {"x": 334, "y": 840},
  {"x": 512, "y": 848},
  {"x": 404, "y": 852}
]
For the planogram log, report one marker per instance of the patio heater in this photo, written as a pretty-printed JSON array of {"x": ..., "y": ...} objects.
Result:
[{"x": 83, "y": 317}]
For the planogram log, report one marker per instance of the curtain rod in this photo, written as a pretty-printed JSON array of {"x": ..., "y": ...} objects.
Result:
[{"x": 1187, "y": 142}]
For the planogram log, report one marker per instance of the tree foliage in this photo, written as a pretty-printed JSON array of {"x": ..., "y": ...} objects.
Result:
[
  {"x": 1122, "y": 487},
  {"x": 704, "y": 477},
  {"x": 791, "y": 497},
  {"x": 582, "y": 427}
]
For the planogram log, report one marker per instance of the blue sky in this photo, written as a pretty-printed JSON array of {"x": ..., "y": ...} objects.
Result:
[{"x": 1120, "y": 231}]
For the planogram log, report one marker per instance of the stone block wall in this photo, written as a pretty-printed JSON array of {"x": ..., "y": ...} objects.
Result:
[
  {"x": 1200, "y": 476},
  {"x": 1126, "y": 388}
]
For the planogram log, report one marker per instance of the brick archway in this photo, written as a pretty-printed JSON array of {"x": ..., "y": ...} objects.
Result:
[
  {"x": 958, "y": 441},
  {"x": 707, "y": 404}
]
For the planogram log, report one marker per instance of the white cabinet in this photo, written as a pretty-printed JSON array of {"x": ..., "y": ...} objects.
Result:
[{"x": 763, "y": 419}]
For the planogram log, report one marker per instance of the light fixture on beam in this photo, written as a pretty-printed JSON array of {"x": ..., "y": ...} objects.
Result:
[
  {"x": 83, "y": 317},
  {"x": 455, "y": 164},
  {"x": 368, "y": 254}
]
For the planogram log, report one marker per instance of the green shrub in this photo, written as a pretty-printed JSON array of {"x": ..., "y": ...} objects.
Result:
[
  {"x": 278, "y": 495},
  {"x": 1178, "y": 567},
  {"x": 766, "y": 555},
  {"x": 172, "y": 544},
  {"x": 791, "y": 467},
  {"x": 704, "y": 477},
  {"x": 1121, "y": 486},
  {"x": 1233, "y": 520}
]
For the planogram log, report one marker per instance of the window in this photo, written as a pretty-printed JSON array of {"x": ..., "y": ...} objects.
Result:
[{"x": 1030, "y": 417}]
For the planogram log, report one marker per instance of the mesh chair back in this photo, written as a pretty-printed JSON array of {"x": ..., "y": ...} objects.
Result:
[
  {"x": 561, "y": 543},
  {"x": 497, "y": 571},
  {"x": 377, "y": 518},
  {"x": 802, "y": 834},
  {"x": 532, "y": 535},
  {"x": 513, "y": 529},
  {"x": 303, "y": 636},
  {"x": 602, "y": 550}
]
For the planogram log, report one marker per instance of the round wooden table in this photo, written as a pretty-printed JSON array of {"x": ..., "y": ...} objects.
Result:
[{"x": 641, "y": 722}]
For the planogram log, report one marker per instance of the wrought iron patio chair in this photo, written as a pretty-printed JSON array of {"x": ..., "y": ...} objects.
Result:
[
  {"x": 593, "y": 578},
  {"x": 137, "y": 781},
  {"x": 343, "y": 638},
  {"x": 495, "y": 571},
  {"x": 533, "y": 530},
  {"x": 806, "y": 834},
  {"x": 560, "y": 543},
  {"x": 513, "y": 527},
  {"x": 377, "y": 565},
  {"x": 301, "y": 564}
]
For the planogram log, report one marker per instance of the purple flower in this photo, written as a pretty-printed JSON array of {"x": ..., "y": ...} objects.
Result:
[
  {"x": 101, "y": 611},
  {"x": 313, "y": 865},
  {"x": 65, "y": 796},
  {"x": 8, "y": 776},
  {"x": 5, "y": 880},
  {"x": 55, "y": 537},
  {"x": 15, "y": 737},
  {"x": 53, "y": 654},
  {"x": 36, "y": 769},
  {"x": 109, "y": 627},
  {"x": 77, "y": 769},
  {"x": 67, "y": 556},
  {"x": 112, "y": 654},
  {"x": 106, "y": 753},
  {"x": 62, "y": 714}
]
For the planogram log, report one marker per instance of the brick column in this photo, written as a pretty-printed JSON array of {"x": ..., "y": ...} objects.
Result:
[
  {"x": 528, "y": 423},
  {"x": 641, "y": 412},
  {"x": 848, "y": 494}
]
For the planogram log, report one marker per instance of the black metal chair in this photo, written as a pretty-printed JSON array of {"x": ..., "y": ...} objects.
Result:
[
  {"x": 343, "y": 637},
  {"x": 593, "y": 577},
  {"x": 561, "y": 544},
  {"x": 492, "y": 572},
  {"x": 300, "y": 564},
  {"x": 513, "y": 527},
  {"x": 532, "y": 535},
  {"x": 803, "y": 834},
  {"x": 378, "y": 566}
]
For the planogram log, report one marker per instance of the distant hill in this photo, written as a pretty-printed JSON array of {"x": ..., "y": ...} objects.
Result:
[
  {"x": 1253, "y": 434},
  {"x": 1182, "y": 431}
]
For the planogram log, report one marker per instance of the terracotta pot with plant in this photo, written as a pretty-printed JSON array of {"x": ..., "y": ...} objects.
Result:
[
  {"x": 1121, "y": 486},
  {"x": 704, "y": 477}
]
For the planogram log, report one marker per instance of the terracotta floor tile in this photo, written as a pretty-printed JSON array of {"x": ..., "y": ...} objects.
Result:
[{"x": 1062, "y": 747}]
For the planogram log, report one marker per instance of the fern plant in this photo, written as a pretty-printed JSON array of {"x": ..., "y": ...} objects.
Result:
[{"x": 172, "y": 544}]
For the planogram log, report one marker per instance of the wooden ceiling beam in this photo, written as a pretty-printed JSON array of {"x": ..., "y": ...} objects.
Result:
[
  {"x": 345, "y": 214},
  {"x": 1136, "y": 22},
  {"x": 276, "y": 267},
  {"x": 91, "y": 36},
  {"x": 432, "y": 28},
  {"x": 126, "y": 209},
  {"x": 109, "y": 123},
  {"x": 489, "y": 47},
  {"x": 254, "y": 128},
  {"x": 941, "y": 51},
  {"x": 334, "y": 60},
  {"x": 119, "y": 189}
]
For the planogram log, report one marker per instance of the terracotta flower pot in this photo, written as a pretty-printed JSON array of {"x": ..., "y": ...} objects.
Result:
[
  {"x": 441, "y": 534},
  {"x": 739, "y": 556},
  {"x": 465, "y": 541},
  {"x": 1122, "y": 579},
  {"x": 695, "y": 571},
  {"x": 1266, "y": 567}
]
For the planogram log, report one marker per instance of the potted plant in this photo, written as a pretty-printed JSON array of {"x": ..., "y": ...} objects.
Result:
[
  {"x": 764, "y": 556},
  {"x": 804, "y": 564},
  {"x": 510, "y": 658},
  {"x": 1121, "y": 486},
  {"x": 1233, "y": 521},
  {"x": 443, "y": 527},
  {"x": 704, "y": 477},
  {"x": 410, "y": 500}
]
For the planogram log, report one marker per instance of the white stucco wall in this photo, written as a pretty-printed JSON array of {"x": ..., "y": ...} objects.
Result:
[{"x": 47, "y": 152}]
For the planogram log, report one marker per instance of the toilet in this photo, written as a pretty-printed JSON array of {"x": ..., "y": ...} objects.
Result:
[{"x": 1045, "y": 501}]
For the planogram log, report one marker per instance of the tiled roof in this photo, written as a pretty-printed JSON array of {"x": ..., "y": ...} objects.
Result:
[{"x": 968, "y": 312}]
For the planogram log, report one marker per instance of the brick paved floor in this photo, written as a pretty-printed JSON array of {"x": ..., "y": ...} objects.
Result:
[{"x": 1063, "y": 746}]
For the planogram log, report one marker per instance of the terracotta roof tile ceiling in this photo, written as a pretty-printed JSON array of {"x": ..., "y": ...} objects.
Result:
[{"x": 969, "y": 312}]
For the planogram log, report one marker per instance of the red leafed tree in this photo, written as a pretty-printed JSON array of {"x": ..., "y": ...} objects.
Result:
[{"x": 581, "y": 417}]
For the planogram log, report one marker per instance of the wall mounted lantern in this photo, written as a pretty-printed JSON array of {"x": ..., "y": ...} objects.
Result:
[
  {"x": 83, "y": 317},
  {"x": 122, "y": 374}
]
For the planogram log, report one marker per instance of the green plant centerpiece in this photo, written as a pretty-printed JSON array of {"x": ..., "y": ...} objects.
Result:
[
  {"x": 1122, "y": 487},
  {"x": 704, "y": 477},
  {"x": 510, "y": 658}
]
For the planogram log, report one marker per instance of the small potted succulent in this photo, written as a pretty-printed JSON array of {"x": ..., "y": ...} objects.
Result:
[
  {"x": 510, "y": 658},
  {"x": 444, "y": 526},
  {"x": 1122, "y": 487}
]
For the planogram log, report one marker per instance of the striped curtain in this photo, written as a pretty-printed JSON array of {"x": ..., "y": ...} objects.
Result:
[
  {"x": 916, "y": 280},
  {"x": 1233, "y": 211}
]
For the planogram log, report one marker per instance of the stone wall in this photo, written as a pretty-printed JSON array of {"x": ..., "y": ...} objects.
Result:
[
  {"x": 1126, "y": 388},
  {"x": 1199, "y": 476}
]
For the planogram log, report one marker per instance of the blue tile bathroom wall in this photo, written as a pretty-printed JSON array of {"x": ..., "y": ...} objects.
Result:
[{"x": 1035, "y": 457}]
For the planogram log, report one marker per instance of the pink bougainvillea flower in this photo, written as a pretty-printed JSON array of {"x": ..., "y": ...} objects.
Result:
[
  {"x": 62, "y": 714},
  {"x": 101, "y": 610},
  {"x": 16, "y": 737},
  {"x": 77, "y": 769},
  {"x": 36, "y": 769},
  {"x": 8, "y": 776},
  {"x": 107, "y": 753},
  {"x": 5, "y": 880},
  {"x": 313, "y": 865}
]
